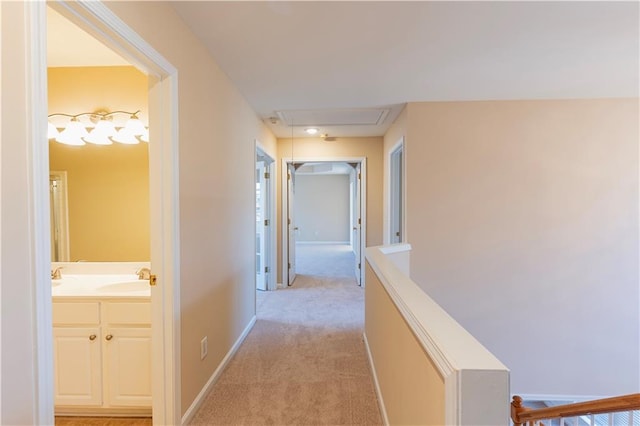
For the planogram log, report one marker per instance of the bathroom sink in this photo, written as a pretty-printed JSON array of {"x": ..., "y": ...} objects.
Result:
[
  {"x": 127, "y": 286},
  {"x": 55, "y": 283}
]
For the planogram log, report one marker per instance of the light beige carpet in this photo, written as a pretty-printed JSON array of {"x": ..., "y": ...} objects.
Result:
[
  {"x": 304, "y": 362},
  {"x": 328, "y": 260}
]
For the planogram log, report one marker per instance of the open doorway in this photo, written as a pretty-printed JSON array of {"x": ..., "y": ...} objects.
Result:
[
  {"x": 100, "y": 190},
  {"x": 397, "y": 193},
  {"x": 265, "y": 212},
  {"x": 163, "y": 194},
  {"x": 102, "y": 365},
  {"x": 324, "y": 224}
]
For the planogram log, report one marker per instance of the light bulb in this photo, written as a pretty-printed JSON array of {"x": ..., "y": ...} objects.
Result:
[
  {"x": 101, "y": 133},
  {"x": 126, "y": 137},
  {"x": 70, "y": 140},
  {"x": 52, "y": 132},
  {"x": 73, "y": 133},
  {"x": 134, "y": 126},
  {"x": 98, "y": 140}
]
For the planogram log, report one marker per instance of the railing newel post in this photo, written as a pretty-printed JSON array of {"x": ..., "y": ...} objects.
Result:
[{"x": 516, "y": 409}]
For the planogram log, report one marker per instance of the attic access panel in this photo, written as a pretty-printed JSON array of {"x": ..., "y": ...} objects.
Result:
[{"x": 334, "y": 117}]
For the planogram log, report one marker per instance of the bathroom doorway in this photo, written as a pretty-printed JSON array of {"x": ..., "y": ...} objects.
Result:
[
  {"x": 102, "y": 365},
  {"x": 164, "y": 255}
]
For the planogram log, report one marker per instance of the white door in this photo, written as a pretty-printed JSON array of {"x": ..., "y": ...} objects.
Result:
[
  {"x": 291, "y": 244},
  {"x": 261, "y": 224},
  {"x": 77, "y": 366},
  {"x": 357, "y": 223},
  {"x": 127, "y": 353}
]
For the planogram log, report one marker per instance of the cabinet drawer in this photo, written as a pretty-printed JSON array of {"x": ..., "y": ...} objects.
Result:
[
  {"x": 68, "y": 313},
  {"x": 128, "y": 313}
]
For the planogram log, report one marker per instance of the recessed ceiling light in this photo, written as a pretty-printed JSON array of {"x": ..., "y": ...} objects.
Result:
[{"x": 311, "y": 131}]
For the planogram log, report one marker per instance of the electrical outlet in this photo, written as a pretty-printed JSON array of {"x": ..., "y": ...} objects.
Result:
[{"x": 203, "y": 348}]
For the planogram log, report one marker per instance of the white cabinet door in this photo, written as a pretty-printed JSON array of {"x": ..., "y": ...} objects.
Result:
[
  {"x": 77, "y": 366},
  {"x": 128, "y": 361}
]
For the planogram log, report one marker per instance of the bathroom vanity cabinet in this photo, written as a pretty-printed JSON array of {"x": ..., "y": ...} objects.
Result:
[{"x": 102, "y": 355}]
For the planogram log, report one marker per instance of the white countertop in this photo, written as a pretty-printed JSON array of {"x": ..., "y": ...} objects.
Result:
[{"x": 100, "y": 286}]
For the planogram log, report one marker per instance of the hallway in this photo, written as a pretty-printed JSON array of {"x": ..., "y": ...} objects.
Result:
[{"x": 304, "y": 362}]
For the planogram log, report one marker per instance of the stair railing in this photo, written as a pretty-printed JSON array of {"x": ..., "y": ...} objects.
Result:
[{"x": 521, "y": 415}]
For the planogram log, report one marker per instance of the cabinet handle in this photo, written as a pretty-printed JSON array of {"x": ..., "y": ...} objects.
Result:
[
  {"x": 109, "y": 337},
  {"x": 92, "y": 337}
]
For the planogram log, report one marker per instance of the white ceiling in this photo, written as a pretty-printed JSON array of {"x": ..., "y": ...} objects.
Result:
[{"x": 338, "y": 61}]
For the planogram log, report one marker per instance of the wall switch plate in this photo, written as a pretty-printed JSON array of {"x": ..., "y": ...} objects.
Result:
[{"x": 203, "y": 348}]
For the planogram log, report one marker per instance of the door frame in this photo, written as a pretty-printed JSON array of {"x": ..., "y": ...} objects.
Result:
[
  {"x": 284, "y": 201},
  {"x": 99, "y": 21},
  {"x": 271, "y": 244},
  {"x": 399, "y": 146}
]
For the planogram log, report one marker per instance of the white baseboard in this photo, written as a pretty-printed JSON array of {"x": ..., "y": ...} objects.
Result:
[
  {"x": 188, "y": 415},
  {"x": 383, "y": 410}
]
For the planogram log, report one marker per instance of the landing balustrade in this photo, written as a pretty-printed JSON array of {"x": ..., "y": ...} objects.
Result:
[
  {"x": 429, "y": 370},
  {"x": 617, "y": 411}
]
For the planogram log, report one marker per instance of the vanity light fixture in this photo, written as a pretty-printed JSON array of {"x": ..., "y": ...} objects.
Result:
[{"x": 103, "y": 130}]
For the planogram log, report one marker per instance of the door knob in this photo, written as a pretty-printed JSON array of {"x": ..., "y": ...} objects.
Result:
[
  {"x": 92, "y": 337},
  {"x": 109, "y": 337}
]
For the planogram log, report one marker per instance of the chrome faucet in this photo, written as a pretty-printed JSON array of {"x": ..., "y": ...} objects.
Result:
[
  {"x": 144, "y": 273},
  {"x": 55, "y": 273}
]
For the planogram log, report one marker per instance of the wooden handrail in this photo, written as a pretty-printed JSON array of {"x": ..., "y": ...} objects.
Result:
[{"x": 521, "y": 415}]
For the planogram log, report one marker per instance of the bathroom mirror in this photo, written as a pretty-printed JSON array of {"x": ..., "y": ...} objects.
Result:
[
  {"x": 99, "y": 202},
  {"x": 107, "y": 186}
]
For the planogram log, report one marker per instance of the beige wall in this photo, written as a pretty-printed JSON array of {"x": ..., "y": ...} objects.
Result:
[
  {"x": 217, "y": 136},
  {"x": 322, "y": 208},
  {"x": 411, "y": 386},
  {"x": 108, "y": 186},
  {"x": 370, "y": 147},
  {"x": 523, "y": 217}
]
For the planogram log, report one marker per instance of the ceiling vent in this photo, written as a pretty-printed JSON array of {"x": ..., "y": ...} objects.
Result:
[{"x": 334, "y": 117}]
